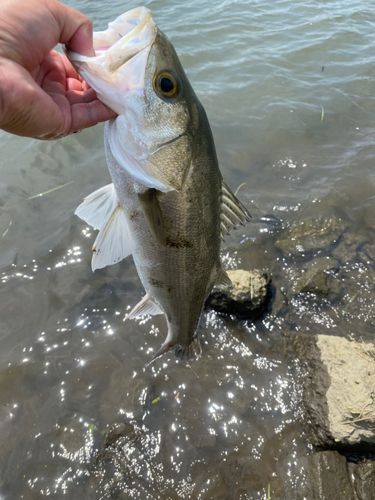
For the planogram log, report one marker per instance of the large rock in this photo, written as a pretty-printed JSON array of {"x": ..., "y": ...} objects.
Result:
[
  {"x": 327, "y": 477},
  {"x": 338, "y": 380},
  {"x": 364, "y": 480},
  {"x": 248, "y": 297}
]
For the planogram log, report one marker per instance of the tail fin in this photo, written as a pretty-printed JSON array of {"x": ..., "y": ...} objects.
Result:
[
  {"x": 190, "y": 352},
  {"x": 193, "y": 350}
]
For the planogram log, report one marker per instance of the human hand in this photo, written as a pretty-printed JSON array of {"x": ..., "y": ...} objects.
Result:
[{"x": 41, "y": 94}]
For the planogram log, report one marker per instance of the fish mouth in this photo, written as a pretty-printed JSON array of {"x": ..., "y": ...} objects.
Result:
[
  {"x": 121, "y": 54},
  {"x": 125, "y": 37}
]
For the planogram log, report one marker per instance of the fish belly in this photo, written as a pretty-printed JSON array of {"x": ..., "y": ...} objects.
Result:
[{"x": 179, "y": 275}]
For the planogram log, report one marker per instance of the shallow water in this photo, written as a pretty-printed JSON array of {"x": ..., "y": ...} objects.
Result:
[{"x": 288, "y": 89}]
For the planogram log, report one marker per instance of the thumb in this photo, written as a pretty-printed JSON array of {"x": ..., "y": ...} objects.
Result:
[
  {"x": 81, "y": 41},
  {"x": 75, "y": 29}
]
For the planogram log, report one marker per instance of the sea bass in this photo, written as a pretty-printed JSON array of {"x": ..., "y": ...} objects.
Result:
[{"x": 168, "y": 205}]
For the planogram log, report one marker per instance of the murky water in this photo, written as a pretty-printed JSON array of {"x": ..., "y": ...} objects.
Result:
[{"x": 288, "y": 88}]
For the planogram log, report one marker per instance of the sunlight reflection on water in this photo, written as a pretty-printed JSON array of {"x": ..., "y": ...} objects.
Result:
[{"x": 80, "y": 416}]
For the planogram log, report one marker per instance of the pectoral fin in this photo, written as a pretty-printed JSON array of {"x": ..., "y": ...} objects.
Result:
[
  {"x": 98, "y": 206},
  {"x": 113, "y": 242},
  {"x": 233, "y": 212},
  {"x": 153, "y": 214},
  {"x": 102, "y": 210}
]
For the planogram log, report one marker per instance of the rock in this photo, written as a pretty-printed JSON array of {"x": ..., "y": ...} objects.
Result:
[
  {"x": 350, "y": 397},
  {"x": 310, "y": 236},
  {"x": 346, "y": 250},
  {"x": 327, "y": 477},
  {"x": 338, "y": 390},
  {"x": 315, "y": 381},
  {"x": 117, "y": 431},
  {"x": 247, "y": 298},
  {"x": 364, "y": 480},
  {"x": 319, "y": 282},
  {"x": 317, "y": 276},
  {"x": 366, "y": 254}
]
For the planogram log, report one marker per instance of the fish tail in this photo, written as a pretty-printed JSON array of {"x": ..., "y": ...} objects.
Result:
[
  {"x": 183, "y": 353},
  {"x": 189, "y": 352}
]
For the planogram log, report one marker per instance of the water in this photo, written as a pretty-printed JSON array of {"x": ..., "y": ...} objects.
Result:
[{"x": 288, "y": 89}]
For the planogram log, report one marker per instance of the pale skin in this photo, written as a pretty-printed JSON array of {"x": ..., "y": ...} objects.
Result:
[{"x": 41, "y": 94}]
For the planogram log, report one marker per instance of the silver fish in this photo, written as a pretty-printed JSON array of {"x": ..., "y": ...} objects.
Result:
[{"x": 168, "y": 205}]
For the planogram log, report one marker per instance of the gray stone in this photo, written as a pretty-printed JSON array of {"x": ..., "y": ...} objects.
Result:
[
  {"x": 346, "y": 250},
  {"x": 364, "y": 480},
  {"x": 317, "y": 276},
  {"x": 319, "y": 282},
  {"x": 327, "y": 477},
  {"x": 310, "y": 236},
  {"x": 338, "y": 380},
  {"x": 314, "y": 381},
  {"x": 366, "y": 254},
  {"x": 248, "y": 297}
]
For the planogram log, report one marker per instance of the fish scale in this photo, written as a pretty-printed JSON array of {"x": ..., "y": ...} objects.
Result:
[
  {"x": 167, "y": 205},
  {"x": 188, "y": 265}
]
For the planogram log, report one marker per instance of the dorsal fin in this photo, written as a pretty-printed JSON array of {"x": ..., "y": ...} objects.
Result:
[{"x": 232, "y": 213}]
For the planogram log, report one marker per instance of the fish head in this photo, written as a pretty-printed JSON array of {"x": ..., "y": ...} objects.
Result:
[
  {"x": 169, "y": 117},
  {"x": 137, "y": 73}
]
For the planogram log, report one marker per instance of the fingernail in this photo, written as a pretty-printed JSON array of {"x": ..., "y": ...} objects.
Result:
[{"x": 81, "y": 41}]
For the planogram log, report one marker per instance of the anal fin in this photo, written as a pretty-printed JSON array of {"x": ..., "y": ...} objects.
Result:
[
  {"x": 146, "y": 306},
  {"x": 222, "y": 279},
  {"x": 153, "y": 214}
]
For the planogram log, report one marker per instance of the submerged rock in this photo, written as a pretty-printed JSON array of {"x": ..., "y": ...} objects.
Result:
[
  {"x": 310, "y": 236},
  {"x": 347, "y": 249},
  {"x": 364, "y": 480},
  {"x": 330, "y": 477},
  {"x": 318, "y": 277},
  {"x": 338, "y": 380},
  {"x": 248, "y": 297},
  {"x": 327, "y": 477}
]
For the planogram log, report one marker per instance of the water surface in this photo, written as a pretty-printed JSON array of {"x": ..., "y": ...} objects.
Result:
[{"x": 288, "y": 89}]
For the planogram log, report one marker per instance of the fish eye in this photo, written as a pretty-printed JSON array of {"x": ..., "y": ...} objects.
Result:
[{"x": 166, "y": 85}]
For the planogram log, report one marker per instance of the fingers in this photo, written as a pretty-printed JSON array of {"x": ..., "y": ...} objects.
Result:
[
  {"x": 79, "y": 96},
  {"x": 74, "y": 85},
  {"x": 75, "y": 29},
  {"x": 81, "y": 41},
  {"x": 28, "y": 110},
  {"x": 87, "y": 114}
]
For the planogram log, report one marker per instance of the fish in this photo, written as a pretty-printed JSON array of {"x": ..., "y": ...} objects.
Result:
[{"x": 168, "y": 205}]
